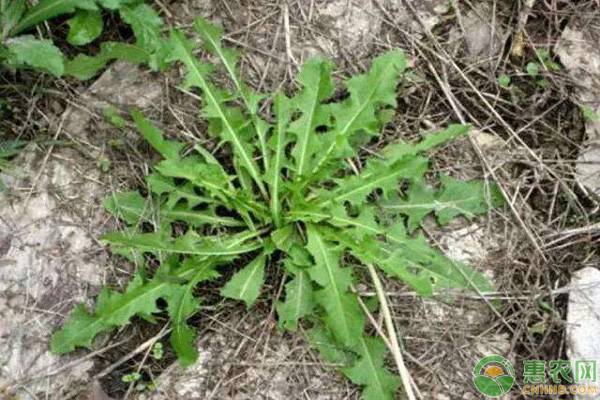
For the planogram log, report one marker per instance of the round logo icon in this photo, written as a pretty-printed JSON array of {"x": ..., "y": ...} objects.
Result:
[{"x": 493, "y": 376}]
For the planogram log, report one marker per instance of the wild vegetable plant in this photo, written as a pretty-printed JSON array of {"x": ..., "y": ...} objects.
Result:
[
  {"x": 285, "y": 189},
  {"x": 19, "y": 48}
]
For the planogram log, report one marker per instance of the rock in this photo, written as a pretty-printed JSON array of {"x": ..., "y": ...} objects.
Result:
[
  {"x": 428, "y": 11},
  {"x": 352, "y": 26},
  {"x": 583, "y": 319},
  {"x": 49, "y": 255},
  {"x": 466, "y": 244},
  {"x": 578, "y": 51},
  {"x": 483, "y": 37}
]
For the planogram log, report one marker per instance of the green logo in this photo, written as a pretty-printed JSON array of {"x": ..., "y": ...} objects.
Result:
[{"x": 493, "y": 376}]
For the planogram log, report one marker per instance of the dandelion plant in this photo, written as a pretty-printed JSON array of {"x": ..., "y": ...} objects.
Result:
[{"x": 284, "y": 189}]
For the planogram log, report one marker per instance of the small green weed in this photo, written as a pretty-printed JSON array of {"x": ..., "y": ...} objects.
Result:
[
  {"x": 543, "y": 62},
  {"x": 288, "y": 195}
]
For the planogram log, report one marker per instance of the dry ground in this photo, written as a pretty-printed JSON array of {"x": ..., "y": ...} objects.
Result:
[{"x": 530, "y": 136}]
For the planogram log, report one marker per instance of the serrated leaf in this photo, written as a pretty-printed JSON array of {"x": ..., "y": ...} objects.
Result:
[
  {"x": 455, "y": 198},
  {"x": 343, "y": 315},
  {"x": 182, "y": 50},
  {"x": 378, "y": 175},
  {"x": 160, "y": 185},
  {"x": 465, "y": 198},
  {"x": 370, "y": 372},
  {"x": 146, "y": 25},
  {"x": 298, "y": 303},
  {"x": 315, "y": 78},
  {"x": 212, "y": 34},
  {"x": 424, "y": 268},
  {"x": 35, "y": 53},
  {"x": 191, "y": 243},
  {"x": 84, "y": 27},
  {"x": 112, "y": 309},
  {"x": 46, "y": 9},
  {"x": 213, "y": 180},
  {"x": 76, "y": 331},
  {"x": 396, "y": 151},
  {"x": 182, "y": 305},
  {"x": 418, "y": 202},
  {"x": 245, "y": 285},
  {"x": 357, "y": 226},
  {"x": 360, "y": 113},
  {"x": 131, "y": 207}
]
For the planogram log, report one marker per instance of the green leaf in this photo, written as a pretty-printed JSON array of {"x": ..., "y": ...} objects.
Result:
[
  {"x": 112, "y": 309},
  {"x": 360, "y": 115},
  {"x": 84, "y": 27},
  {"x": 465, "y": 198},
  {"x": 115, "y": 4},
  {"x": 455, "y": 198},
  {"x": 246, "y": 283},
  {"x": 315, "y": 78},
  {"x": 146, "y": 25},
  {"x": 343, "y": 315},
  {"x": 320, "y": 338},
  {"x": 115, "y": 309},
  {"x": 415, "y": 262},
  {"x": 396, "y": 151},
  {"x": 47, "y": 9},
  {"x": 10, "y": 14},
  {"x": 277, "y": 143},
  {"x": 183, "y": 305},
  {"x": 378, "y": 175},
  {"x": 533, "y": 69},
  {"x": 197, "y": 73},
  {"x": 35, "y": 53},
  {"x": 169, "y": 149},
  {"x": 191, "y": 243},
  {"x": 133, "y": 209},
  {"x": 419, "y": 201},
  {"x": 370, "y": 372},
  {"x": 84, "y": 67},
  {"x": 111, "y": 114},
  {"x": 504, "y": 81},
  {"x": 213, "y": 180},
  {"x": 589, "y": 114},
  {"x": 211, "y": 35},
  {"x": 160, "y": 185},
  {"x": 299, "y": 301}
]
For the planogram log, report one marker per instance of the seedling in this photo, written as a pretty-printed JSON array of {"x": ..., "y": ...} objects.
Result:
[
  {"x": 504, "y": 81},
  {"x": 543, "y": 61}
]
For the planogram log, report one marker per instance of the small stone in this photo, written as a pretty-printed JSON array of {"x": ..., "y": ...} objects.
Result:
[
  {"x": 579, "y": 53},
  {"x": 583, "y": 320}
]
